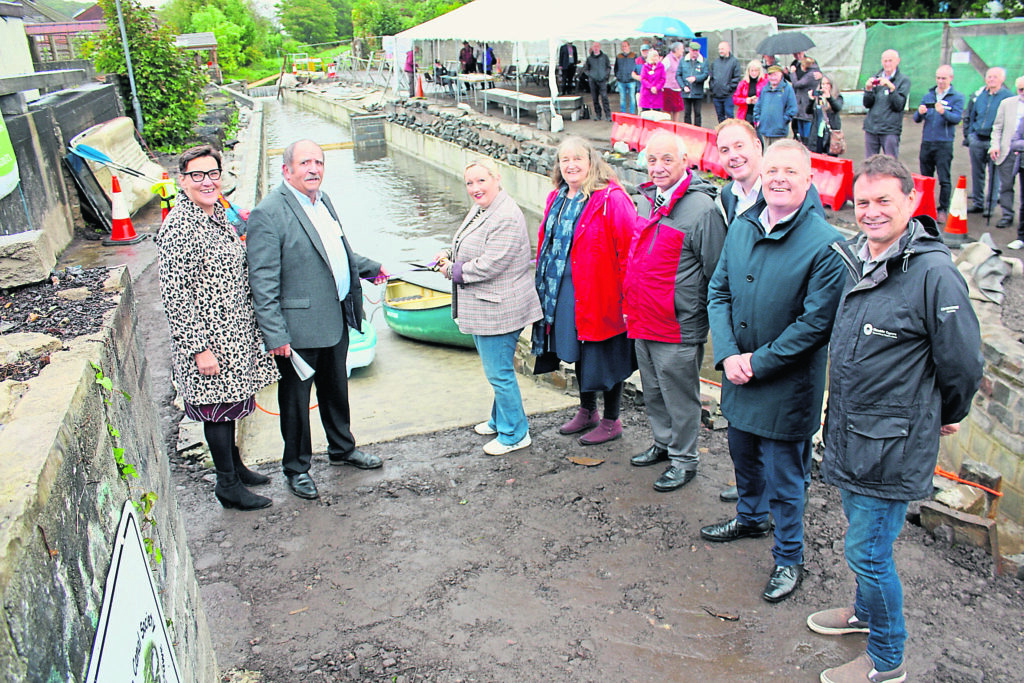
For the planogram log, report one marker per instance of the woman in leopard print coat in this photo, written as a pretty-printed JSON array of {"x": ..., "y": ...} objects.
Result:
[{"x": 219, "y": 359}]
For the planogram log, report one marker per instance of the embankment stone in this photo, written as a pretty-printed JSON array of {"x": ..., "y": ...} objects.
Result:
[{"x": 25, "y": 258}]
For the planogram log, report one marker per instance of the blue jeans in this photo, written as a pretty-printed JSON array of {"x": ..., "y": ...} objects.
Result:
[
  {"x": 724, "y": 107},
  {"x": 627, "y": 97},
  {"x": 507, "y": 415},
  {"x": 770, "y": 478},
  {"x": 874, "y": 524}
]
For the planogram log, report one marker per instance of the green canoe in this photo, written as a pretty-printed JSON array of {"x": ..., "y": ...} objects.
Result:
[{"x": 419, "y": 306}]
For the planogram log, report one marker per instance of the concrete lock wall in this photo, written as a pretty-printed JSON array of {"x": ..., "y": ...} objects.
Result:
[{"x": 62, "y": 499}]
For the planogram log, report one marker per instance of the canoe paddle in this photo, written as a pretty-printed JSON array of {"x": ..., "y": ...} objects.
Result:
[{"x": 93, "y": 154}]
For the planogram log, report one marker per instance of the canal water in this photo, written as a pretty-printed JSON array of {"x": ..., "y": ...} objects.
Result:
[{"x": 394, "y": 209}]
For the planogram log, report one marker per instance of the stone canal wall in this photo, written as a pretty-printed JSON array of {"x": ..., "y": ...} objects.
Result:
[
  {"x": 993, "y": 433},
  {"x": 62, "y": 498}
]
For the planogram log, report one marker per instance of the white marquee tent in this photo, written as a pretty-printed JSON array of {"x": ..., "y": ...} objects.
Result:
[{"x": 525, "y": 22}]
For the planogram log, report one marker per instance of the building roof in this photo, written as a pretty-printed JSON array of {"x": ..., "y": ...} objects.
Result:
[
  {"x": 38, "y": 13},
  {"x": 196, "y": 41}
]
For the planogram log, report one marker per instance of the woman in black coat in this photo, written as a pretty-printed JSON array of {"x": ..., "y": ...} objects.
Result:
[{"x": 827, "y": 104}]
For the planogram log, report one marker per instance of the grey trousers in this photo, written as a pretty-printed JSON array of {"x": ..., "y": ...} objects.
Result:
[
  {"x": 979, "y": 163},
  {"x": 1006, "y": 171},
  {"x": 671, "y": 377}
]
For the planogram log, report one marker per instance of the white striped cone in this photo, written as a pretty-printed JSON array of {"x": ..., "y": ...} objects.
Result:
[{"x": 121, "y": 229}]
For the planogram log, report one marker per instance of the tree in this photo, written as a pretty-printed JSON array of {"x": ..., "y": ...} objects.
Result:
[
  {"x": 228, "y": 34},
  {"x": 376, "y": 18},
  {"x": 308, "y": 21},
  {"x": 168, "y": 82}
]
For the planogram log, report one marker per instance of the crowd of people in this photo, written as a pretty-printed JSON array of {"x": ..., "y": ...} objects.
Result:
[
  {"x": 804, "y": 102},
  {"x": 621, "y": 285}
]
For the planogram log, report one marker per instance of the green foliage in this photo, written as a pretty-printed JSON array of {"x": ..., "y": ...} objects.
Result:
[
  {"x": 144, "y": 505},
  {"x": 821, "y": 11},
  {"x": 168, "y": 81},
  {"x": 377, "y": 18},
  {"x": 243, "y": 36},
  {"x": 308, "y": 21},
  {"x": 229, "y": 35}
]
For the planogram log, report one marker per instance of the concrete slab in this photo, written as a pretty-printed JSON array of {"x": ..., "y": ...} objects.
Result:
[{"x": 410, "y": 388}]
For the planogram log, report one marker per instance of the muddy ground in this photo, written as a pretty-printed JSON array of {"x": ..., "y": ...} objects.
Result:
[{"x": 448, "y": 565}]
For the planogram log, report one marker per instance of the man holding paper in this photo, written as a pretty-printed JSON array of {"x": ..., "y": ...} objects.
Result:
[{"x": 306, "y": 291}]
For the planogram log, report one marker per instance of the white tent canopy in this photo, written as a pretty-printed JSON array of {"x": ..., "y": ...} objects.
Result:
[
  {"x": 534, "y": 20},
  {"x": 543, "y": 21}
]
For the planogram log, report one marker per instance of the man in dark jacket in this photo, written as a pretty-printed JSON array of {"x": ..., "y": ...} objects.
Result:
[
  {"x": 597, "y": 69},
  {"x": 625, "y": 67},
  {"x": 978, "y": 131},
  {"x": 724, "y": 75},
  {"x": 690, "y": 75},
  {"x": 771, "y": 304},
  {"x": 905, "y": 364},
  {"x": 941, "y": 109},
  {"x": 885, "y": 96},
  {"x": 670, "y": 263},
  {"x": 567, "y": 60}
]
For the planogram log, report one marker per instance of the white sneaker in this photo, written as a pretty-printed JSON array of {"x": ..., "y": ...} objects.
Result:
[
  {"x": 1016, "y": 244},
  {"x": 495, "y": 447},
  {"x": 484, "y": 429}
]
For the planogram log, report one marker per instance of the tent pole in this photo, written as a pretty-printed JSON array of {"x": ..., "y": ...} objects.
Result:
[{"x": 552, "y": 75}]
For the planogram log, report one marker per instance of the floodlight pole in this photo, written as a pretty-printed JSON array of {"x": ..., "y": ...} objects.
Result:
[{"x": 131, "y": 74}]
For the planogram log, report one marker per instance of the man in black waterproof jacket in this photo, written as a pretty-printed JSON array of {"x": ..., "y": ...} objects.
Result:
[
  {"x": 598, "y": 68},
  {"x": 905, "y": 364}
]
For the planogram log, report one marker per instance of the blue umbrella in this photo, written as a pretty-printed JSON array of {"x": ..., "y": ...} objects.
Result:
[{"x": 666, "y": 26}]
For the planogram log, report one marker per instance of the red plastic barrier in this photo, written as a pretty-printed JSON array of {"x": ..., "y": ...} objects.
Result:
[
  {"x": 697, "y": 141},
  {"x": 711, "y": 162},
  {"x": 627, "y": 128},
  {"x": 925, "y": 188},
  {"x": 834, "y": 179},
  {"x": 648, "y": 129}
]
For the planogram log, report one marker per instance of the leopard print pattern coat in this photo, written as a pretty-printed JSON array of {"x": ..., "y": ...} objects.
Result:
[{"x": 204, "y": 285}]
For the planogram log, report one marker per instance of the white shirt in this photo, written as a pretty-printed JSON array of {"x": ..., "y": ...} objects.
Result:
[
  {"x": 763, "y": 218},
  {"x": 745, "y": 201},
  {"x": 667, "y": 194},
  {"x": 330, "y": 234}
]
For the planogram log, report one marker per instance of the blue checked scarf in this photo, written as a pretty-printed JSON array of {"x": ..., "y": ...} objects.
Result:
[{"x": 554, "y": 252}]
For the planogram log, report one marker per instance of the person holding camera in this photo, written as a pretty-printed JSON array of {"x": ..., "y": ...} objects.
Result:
[
  {"x": 826, "y": 126},
  {"x": 885, "y": 95},
  {"x": 941, "y": 110}
]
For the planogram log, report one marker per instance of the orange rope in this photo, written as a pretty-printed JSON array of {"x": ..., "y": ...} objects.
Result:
[
  {"x": 949, "y": 475},
  {"x": 312, "y": 407},
  {"x": 714, "y": 384}
]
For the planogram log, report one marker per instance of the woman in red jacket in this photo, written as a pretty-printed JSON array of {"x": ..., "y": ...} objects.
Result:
[
  {"x": 581, "y": 263},
  {"x": 748, "y": 90}
]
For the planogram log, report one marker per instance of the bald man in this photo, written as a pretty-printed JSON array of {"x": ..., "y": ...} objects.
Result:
[
  {"x": 885, "y": 96},
  {"x": 981, "y": 115},
  {"x": 941, "y": 109}
]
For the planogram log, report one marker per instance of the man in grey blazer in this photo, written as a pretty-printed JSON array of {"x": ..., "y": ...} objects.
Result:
[
  {"x": 306, "y": 291},
  {"x": 1008, "y": 118}
]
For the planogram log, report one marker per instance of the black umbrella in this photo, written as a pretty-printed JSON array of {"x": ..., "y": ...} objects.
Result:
[{"x": 787, "y": 43}]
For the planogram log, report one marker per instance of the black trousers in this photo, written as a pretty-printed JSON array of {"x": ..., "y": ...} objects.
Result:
[
  {"x": 331, "y": 380},
  {"x": 691, "y": 114},
  {"x": 599, "y": 91},
  {"x": 568, "y": 79},
  {"x": 936, "y": 156}
]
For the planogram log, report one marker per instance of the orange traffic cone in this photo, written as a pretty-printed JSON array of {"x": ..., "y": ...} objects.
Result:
[
  {"x": 419, "y": 87},
  {"x": 121, "y": 230},
  {"x": 955, "y": 233}
]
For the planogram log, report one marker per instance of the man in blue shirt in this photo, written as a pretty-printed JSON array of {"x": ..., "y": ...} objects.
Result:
[{"x": 941, "y": 109}]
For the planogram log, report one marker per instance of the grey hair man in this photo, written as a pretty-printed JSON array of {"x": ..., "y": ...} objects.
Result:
[{"x": 978, "y": 120}]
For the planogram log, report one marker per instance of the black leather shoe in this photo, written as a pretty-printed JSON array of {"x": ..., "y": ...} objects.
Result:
[
  {"x": 363, "y": 461},
  {"x": 1004, "y": 222},
  {"x": 674, "y": 478},
  {"x": 651, "y": 456},
  {"x": 783, "y": 581},
  {"x": 975, "y": 209},
  {"x": 302, "y": 485},
  {"x": 731, "y": 530},
  {"x": 730, "y": 494}
]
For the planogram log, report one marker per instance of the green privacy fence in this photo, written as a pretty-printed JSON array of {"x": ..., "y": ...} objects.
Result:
[{"x": 969, "y": 45}]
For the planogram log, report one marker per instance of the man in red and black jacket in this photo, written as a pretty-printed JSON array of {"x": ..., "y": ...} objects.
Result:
[{"x": 671, "y": 261}]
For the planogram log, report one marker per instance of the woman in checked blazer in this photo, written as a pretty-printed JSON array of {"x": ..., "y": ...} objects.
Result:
[{"x": 493, "y": 296}]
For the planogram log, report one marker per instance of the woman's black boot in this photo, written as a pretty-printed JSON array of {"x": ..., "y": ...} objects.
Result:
[
  {"x": 232, "y": 494},
  {"x": 245, "y": 475}
]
